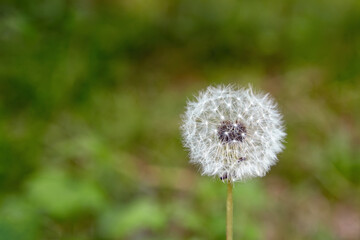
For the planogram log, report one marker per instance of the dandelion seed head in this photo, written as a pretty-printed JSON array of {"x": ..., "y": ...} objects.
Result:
[{"x": 233, "y": 133}]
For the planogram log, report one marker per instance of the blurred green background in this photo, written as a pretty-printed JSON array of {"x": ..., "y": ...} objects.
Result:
[{"x": 91, "y": 94}]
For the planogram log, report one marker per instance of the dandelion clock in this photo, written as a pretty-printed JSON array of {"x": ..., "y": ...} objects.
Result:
[{"x": 233, "y": 134}]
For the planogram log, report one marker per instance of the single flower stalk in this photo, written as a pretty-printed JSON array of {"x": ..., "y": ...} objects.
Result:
[{"x": 233, "y": 133}]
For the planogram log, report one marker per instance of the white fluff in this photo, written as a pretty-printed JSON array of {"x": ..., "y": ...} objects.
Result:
[{"x": 234, "y": 160}]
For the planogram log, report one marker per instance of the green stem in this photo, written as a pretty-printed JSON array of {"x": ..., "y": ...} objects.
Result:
[{"x": 229, "y": 212}]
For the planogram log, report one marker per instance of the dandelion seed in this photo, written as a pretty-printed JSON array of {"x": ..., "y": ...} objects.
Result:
[{"x": 246, "y": 138}]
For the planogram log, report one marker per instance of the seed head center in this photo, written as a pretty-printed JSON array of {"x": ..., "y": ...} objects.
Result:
[{"x": 231, "y": 131}]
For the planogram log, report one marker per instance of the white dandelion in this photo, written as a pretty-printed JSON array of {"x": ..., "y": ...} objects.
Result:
[{"x": 233, "y": 133}]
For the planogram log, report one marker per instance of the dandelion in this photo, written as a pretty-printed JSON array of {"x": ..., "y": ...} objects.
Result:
[{"x": 233, "y": 133}]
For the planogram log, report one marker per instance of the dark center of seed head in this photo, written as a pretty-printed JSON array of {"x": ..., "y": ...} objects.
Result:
[{"x": 231, "y": 131}]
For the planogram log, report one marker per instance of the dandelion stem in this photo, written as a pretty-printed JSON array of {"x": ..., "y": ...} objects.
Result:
[{"x": 229, "y": 212}]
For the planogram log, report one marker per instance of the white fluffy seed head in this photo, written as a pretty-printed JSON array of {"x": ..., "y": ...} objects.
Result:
[{"x": 233, "y": 133}]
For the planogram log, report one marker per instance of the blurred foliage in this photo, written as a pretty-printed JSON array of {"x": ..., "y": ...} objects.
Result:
[{"x": 90, "y": 98}]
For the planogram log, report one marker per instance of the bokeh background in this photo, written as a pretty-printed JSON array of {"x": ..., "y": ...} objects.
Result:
[{"x": 91, "y": 94}]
